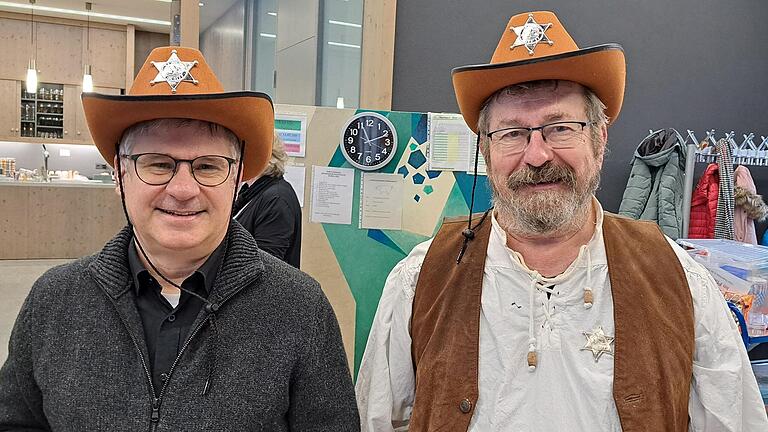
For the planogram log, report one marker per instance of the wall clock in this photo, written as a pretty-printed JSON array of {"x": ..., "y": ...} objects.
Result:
[{"x": 368, "y": 141}]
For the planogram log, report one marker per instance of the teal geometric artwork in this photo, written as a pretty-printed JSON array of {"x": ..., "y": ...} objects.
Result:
[{"x": 366, "y": 256}]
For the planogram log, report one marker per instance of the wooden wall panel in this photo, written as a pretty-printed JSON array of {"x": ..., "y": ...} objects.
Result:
[
  {"x": 59, "y": 53},
  {"x": 107, "y": 58},
  {"x": 190, "y": 23},
  {"x": 16, "y": 44},
  {"x": 145, "y": 42},
  {"x": 57, "y": 221},
  {"x": 378, "y": 54},
  {"x": 14, "y": 219},
  {"x": 130, "y": 53},
  {"x": 317, "y": 257},
  {"x": 61, "y": 50}
]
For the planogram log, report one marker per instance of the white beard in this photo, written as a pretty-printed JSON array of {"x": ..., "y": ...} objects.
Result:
[{"x": 544, "y": 212}]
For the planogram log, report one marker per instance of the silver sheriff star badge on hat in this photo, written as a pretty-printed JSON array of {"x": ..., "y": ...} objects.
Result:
[
  {"x": 598, "y": 342},
  {"x": 173, "y": 71},
  {"x": 531, "y": 34}
]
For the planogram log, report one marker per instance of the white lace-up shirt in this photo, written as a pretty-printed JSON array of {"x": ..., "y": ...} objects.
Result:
[{"x": 569, "y": 390}]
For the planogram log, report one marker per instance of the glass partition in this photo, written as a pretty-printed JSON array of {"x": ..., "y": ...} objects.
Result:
[
  {"x": 240, "y": 37},
  {"x": 342, "y": 40}
]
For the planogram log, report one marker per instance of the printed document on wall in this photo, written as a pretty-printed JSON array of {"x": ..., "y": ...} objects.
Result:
[
  {"x": 294, "y": 175},
  {"x": 332, "y": 190},
  {"x": 449, "y": 142},
  {"x": 481, "y": 168},
  {"x": 381, "y": 201},
  {"x": 292, "y": 129}
]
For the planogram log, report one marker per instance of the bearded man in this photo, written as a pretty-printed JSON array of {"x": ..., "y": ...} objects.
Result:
[{"x": 547, "y": 313}]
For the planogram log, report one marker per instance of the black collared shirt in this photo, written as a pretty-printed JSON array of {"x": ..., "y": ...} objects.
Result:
[{"x": 166, "y": 328}]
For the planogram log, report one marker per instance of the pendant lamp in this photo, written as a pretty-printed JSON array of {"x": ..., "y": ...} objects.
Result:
[
  {"x": 87, "y": 77},
  {"x": 32, "y": 68}
]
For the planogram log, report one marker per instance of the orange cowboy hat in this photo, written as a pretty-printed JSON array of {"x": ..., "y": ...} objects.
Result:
[
  {"x": 535, "y": 46},
  {"x": 176, "y": 82}
]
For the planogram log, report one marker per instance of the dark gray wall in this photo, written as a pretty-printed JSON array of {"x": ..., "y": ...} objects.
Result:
[{"x": 691, "y": 64}]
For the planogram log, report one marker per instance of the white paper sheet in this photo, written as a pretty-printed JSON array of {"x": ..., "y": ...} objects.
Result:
[
  {"x": 295, "y": 175},
  {"x": 449, "y": 141},
  {"x": 381, "y": 201},
  {"x": 481, "y": 168},
  {"x": 332, "y": 190},
  {"x": 292, "y": 129}
]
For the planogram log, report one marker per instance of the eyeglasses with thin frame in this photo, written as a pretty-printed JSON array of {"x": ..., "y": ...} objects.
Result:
[
  {"x": 157, "y": 169},
  {"x": 559, "y": 135}
]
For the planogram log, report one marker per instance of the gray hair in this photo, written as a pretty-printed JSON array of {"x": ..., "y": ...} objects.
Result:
[
  {"x": 594, "y": 106},
  {"x": 214, "y": 130},
  {"x": 276, "y": 166}
]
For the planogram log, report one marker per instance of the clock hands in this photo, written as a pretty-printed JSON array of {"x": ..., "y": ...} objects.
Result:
[
  {"x": 378, "y": 138},
  {"x": 370, "y": 141},
  {"x": 373, "y": 144}
]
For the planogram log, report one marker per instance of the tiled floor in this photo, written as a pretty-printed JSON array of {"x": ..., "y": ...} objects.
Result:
[{"x": 16, "y": 279}]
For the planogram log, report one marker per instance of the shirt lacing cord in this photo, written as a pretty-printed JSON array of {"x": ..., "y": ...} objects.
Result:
[{"x": 536, "y": 285}]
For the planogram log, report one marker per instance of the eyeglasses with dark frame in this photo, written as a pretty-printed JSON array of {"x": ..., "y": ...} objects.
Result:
[
  {"x": 156, "y": 169},
  {"x": 559, "y": 135}
]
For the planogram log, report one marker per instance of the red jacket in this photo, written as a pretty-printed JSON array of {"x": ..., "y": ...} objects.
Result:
[{"x": 704, "y": 204}]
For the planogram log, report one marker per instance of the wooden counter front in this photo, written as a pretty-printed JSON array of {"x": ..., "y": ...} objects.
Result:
[{"x": 39, "y": 221}]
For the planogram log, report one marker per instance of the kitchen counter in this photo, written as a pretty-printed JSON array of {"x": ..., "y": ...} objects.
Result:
[
  {"x": 57, "y": 220},
  {"x": 59, "y": 183}
]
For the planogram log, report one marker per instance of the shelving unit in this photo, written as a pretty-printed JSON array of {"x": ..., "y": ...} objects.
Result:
[{"x": 42, "y": 113}]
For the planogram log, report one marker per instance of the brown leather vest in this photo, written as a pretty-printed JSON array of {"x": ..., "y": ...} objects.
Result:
[{"x": 653, "y": 313}]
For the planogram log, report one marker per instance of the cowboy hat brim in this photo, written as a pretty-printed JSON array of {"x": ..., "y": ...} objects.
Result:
[
  {"x": 600, "y": 68},
  {"x": 249, "y": 115}
]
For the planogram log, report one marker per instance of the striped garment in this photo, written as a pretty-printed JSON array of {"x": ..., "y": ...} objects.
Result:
[{"x": 724, "y": 219}]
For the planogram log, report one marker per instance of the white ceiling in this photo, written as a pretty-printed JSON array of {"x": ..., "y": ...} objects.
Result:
[{"x": 158, "y": 10}]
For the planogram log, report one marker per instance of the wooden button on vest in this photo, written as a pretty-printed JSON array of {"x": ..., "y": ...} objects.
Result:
[{"x": 465, "y": 406}]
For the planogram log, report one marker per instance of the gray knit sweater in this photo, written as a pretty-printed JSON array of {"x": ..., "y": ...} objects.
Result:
[{"x": 270, "y": 358}]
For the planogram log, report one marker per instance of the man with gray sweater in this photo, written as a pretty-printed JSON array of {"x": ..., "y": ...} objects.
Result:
[{"x": 180, "y": 323}]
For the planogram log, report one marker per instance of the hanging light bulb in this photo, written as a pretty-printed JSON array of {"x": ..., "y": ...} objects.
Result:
[
  {"x": 87, "y": 80},
  {"x": 87, "y": 77},
  {"x": 32, "y": 68},
  {"x": 340, "y": 102},
  {"x": 31, "y": 77}
]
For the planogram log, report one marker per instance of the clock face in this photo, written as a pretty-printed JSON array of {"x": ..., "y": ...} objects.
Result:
[{"x": 368, "y": 141}]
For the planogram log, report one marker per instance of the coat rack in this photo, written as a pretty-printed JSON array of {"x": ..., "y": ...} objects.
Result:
[{"x": 746, "y": 153}]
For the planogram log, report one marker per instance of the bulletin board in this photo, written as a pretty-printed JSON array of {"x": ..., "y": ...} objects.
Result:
[{"x": 352, "y": 264}]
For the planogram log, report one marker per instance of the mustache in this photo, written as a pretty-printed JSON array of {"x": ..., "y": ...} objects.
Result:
[{"x": 547, "y": 173}]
